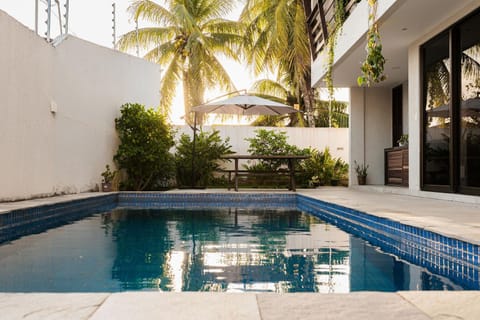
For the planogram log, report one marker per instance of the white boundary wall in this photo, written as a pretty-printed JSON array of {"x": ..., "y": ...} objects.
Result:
[
  {"x": 45, "y": 153},
  {"x": 319, "y": 138}
]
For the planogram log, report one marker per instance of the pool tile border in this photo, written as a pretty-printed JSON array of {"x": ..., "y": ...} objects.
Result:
[
  {"x": 33, "y": 219},
  {"x": 447, "y": 256},
  {"x": 209, "y": 200}
]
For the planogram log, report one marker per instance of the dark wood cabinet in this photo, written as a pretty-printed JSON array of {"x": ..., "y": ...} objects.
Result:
[{"x": 396, "y": 166}]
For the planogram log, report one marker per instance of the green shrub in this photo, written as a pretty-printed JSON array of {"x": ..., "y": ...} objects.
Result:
[
  {"x": 321, "y": 168},
  {"x": 270, "y": 142},
  {"x": 143, "y": 153},
  {"x": 209, "y": 148}
]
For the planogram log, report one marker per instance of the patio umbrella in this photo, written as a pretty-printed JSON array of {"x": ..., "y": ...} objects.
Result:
[
  {"x": 245, "y": 104},
  {"x": 242, "y": 104},
  {"x": 470, "y": 107}
]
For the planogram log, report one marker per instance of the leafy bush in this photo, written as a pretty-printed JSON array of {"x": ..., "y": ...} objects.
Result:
[
  {"x": 209, "y": 148},
  {"x": 143, "y": 153},
  {"x": 321, "y": 168},
  {"x": 270, "y": 142}
]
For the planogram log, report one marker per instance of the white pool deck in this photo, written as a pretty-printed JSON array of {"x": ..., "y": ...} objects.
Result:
[{"x": 457, "y": 219}]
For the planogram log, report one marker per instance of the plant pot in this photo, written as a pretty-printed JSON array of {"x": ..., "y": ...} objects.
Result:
[
  {"x": 362, "y": 180},
  {"x": 106, "y": 186},
  {"x": 334, "y": 182}
]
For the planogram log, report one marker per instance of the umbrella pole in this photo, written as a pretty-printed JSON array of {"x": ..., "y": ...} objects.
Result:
[{"x": 193, "y": 148}]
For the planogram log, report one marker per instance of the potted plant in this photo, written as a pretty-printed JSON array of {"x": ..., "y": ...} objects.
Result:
[
  {"x": 361, "y": 170},
  {"x": 107, "y": 180},
  {"x": 403, "y": 141}
]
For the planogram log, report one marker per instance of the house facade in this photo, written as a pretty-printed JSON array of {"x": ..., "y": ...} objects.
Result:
[{"x": 431, "y": 92}]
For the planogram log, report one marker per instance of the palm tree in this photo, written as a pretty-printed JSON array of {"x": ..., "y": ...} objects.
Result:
[
  {"x": 276, "y": 91},
  {"x": 277, "y": 41},
  {"x": 322, "y": 116},
  {"x": 188, "y": 38}
]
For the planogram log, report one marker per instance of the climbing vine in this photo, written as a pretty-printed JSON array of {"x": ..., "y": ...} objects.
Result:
[
  {"x": 340, "y": 16},
  {"x": 373, "y": 66}
]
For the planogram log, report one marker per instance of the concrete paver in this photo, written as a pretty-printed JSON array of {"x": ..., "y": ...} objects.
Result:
[
  {"x": 14, "y": 205},
  {"x": 358, "y": 306},
  {"x": 178, "y": 306},
  {"x": 450, "y": 218},
  {"x": 50, "y": 306},
  {"x": 446, "y": 305}
]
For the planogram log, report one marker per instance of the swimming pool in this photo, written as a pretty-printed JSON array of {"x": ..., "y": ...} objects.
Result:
[{"x": 243, "y": 242}]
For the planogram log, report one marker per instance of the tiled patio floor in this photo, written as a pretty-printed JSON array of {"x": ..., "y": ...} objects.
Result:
[{"x": 450, "y": 218}]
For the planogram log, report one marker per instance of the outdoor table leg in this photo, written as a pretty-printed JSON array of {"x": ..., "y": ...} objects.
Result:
[
  {"x": 291, "y": 167},
  {"x": 229, "y": 180},
  {"x": 236, "y": 174}
]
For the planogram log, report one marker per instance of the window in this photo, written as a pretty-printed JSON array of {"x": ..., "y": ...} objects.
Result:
[
  {"x": 470, "y": 103},
  {"x": 451, "y": 109},
  {"x": 437, "y": 111}
]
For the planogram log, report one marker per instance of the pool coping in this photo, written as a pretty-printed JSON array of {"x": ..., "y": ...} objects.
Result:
[{"x": 419, "y": 305}]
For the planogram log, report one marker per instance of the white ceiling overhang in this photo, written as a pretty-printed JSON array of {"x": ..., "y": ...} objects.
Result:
[{"x": 401, "y": 24}]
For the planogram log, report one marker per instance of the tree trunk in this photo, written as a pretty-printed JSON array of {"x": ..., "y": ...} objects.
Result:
[
  {"x": 186, "y": 98},
  {"x": 308, "y": 101}
]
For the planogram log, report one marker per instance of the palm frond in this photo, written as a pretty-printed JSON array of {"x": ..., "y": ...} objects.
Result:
[
  {"x": 470, "y": 66},
  {"x": 270, "y": 87},
  {"x": 162, "y": 54},
  {"x": 145, "y": 38},
  {"x": 170, "y": 79},
  {"x": 152, "y": 12}
]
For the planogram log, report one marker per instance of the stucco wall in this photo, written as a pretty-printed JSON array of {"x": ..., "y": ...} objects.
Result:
[
  {"x": 45, "y": 153},
  {"x": 336, "y": 139},
  {"x": 371, "y": 131}
]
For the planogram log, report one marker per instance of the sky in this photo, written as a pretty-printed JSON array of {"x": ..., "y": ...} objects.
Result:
[{"x": 92, "y": 20}]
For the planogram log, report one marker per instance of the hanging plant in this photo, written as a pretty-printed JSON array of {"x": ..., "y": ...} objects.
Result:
[
  {"x": 331, "y": 57},
  {"x": 373, "y": 66}
]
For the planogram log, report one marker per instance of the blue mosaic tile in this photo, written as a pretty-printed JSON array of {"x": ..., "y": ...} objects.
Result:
[
  {"x": 17, "y": 223},
  {"x": 456, "y": 259},
  {"x": 207, "y": 200}
]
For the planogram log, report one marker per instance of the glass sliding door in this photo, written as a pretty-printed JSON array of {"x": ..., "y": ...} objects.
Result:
[
  {"x": 437, "y": 96},
  {"x": 470, "y": 103},
  {"x": 451, "y": 109}
]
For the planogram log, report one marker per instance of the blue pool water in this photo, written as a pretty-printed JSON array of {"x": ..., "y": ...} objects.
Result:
[{"x": 219, "y": 249}]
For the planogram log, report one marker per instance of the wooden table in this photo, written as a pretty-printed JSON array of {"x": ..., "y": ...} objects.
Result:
[{"x": 290, "y": 160}]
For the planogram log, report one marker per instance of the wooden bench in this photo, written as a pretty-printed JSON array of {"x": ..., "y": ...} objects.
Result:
[
  {"x": 276, "y": 176},
  {"x": 238, "y": 172}
]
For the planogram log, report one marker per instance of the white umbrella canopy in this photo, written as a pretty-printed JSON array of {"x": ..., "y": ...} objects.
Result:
[
  {"x": 470, "y": 107},
  {"x": 245, "y": 104},
  {"x": 242, "y": 104}
]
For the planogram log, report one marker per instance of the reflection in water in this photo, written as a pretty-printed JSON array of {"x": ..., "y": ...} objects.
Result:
[
  {"x": 238, "y": 250},
  {"x": 219, "y": 250}
]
